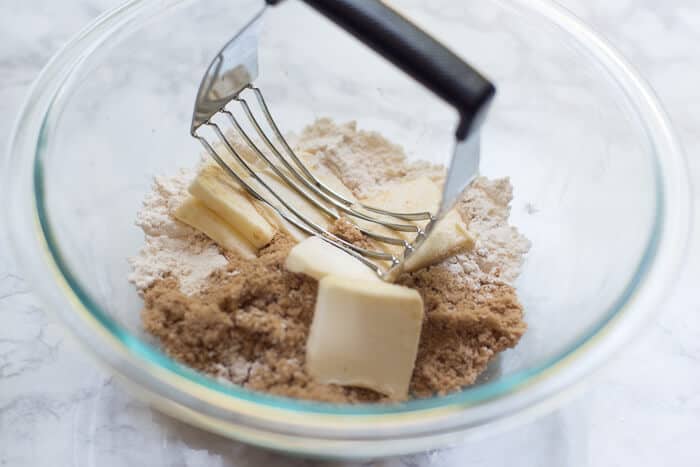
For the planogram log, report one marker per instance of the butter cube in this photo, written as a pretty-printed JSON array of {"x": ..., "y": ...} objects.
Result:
[{"x": 365, "y": 334}]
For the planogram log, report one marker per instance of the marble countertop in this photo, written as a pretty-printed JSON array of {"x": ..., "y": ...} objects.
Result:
[{"x": 58, "y": 409}]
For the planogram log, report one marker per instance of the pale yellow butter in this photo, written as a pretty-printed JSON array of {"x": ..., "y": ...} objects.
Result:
[
  {"x": 220, "y": 193},
  {"x": 365, "y": 334},
  {"x": 195, "y": 214},
  {"x": 449, "y": 237},
  {"x": 317, "y": 258},
  {"x": 418, "y": 195}
]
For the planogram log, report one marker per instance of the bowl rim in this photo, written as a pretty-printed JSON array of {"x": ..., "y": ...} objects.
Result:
[{"x": 239, "y": 408}]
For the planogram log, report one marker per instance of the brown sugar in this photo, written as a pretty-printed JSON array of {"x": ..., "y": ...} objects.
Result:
[
  {"x": 249, "y": 327},
  {"x": 462, "y": 331},
  {"x": 349, "y": 232}
]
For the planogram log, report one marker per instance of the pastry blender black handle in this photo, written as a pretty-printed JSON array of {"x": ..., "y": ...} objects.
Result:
[{"x": 416, "y": 53}]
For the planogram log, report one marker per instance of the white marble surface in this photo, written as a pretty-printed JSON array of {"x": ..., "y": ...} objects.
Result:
[{"x": 57, "y": 408}]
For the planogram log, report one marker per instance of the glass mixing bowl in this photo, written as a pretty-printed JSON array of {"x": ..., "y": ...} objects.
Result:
[{"x": 600, "y": 189}]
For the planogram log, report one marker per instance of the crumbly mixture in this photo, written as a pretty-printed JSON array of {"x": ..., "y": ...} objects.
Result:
[
  {"x": 343, "y": 228},
  {"x": 246, "y": 321},
  {"x": 249, "y": 328}
]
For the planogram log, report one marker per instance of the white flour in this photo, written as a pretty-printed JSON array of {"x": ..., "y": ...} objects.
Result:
[
  {"x": 363, "y": 161},
  {"x": 171, "y": 247},
  {"x": 499, "y": 250}
]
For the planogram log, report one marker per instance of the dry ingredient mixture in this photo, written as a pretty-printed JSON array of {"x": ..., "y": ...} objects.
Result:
[
  {"x": 171, "y": 247},
  {"x": 247, "y": 321}
]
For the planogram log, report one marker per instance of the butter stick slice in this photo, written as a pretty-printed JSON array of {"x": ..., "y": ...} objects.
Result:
[
  {"x": 417, "y": 195},
  {"x": 195, "y": 214},
  {"x": 317, "y": 258},
  {"x": 449, "y": 237},
  {"x": 276, "y": 219},
  {"x": 365, "y": 334},
  {"x": 220, "y": 193}
]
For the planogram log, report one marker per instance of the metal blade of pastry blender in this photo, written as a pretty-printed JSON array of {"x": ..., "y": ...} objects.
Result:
[
  {"x": 463, "y": 168},
  {"x": 233, "y": 68}
]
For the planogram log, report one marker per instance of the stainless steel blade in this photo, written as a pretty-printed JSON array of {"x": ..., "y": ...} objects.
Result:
[{"x": 463, "y": 169}]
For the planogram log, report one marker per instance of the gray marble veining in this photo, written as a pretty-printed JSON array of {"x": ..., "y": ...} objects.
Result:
[{"x": 58, "y": 408}]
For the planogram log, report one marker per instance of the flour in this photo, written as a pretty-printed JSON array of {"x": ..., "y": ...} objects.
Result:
[
  {"x": 171, "y": 247},
  {"x": 500, "y": 248},
  {"x": 363, "y": 160}
]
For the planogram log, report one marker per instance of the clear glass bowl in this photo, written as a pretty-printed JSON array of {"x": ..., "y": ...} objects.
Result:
[{"x": 600, "y": 189}]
